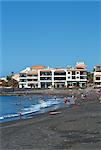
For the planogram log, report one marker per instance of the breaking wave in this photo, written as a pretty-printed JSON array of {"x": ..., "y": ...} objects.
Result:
[{"x": 32, "y": 109}]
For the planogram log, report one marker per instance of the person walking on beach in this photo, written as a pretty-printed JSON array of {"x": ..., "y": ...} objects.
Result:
[
  {"x": 72, "y": 100},
  {"x": 100, "y": 99},
  {"x": 20, "y": 115},
  {"x": 98, "y": 92},
  {"x": 65, "y": 100},
  {"x": 83, "y": 96}
]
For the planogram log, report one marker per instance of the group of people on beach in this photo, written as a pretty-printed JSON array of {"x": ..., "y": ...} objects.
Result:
[
  {"x": 71, "y": 100},
  {"x": 83, "y": 96}
]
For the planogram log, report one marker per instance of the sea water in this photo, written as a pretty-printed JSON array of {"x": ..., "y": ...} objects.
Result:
[{"x": 17, "y": 107}]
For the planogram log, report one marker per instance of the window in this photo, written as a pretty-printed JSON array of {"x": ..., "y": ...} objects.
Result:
[
  {"x": 81, "y": 72},
  {"x": 73, "y": 72},
  {"x": 97, "y": 78},
  {"x": 22, "y": 80},
  {"x": 29, "y": 80},
  {"x": 68, "y": 72},
  {"x": 45, "y": 78},
  {"x": 59, "y": 73},
  {"x": 73, "y": 77},
  {"x": 77, "y": 72},
  {"x": 97, "y": 83},
  {"x": 45, "y": 73},
  {"x": 74, "y": 84},
  {"x": 98, "y": 68},
  {"x": 59, "y": 78},
  {"x": 35, "y": 75},
  {"x": 22, "y": 75},
  {"x": 29, "y": 75},
  {"x": 83, "y": 77},
  {"x": 69, "y": 77},
  {"x": 35, "y": 79}
]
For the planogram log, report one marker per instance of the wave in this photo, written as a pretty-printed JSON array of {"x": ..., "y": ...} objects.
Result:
[
  {"x": 33, "y": 108},
  {"x": 8, "y": 116}
]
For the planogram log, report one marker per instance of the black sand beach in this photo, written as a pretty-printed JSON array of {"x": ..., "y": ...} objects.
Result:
[{"x": 75, "y": 128}]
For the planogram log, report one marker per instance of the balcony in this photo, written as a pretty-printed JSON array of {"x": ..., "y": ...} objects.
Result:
[
  {"x": 22, "y": 77},
  {"x": 59, "y": 81},
  {"x": 31, "y": 77},
  {"x": 32, "y": 82},
  {"x": 45, "y": 81},
  {"x": 22, "y": 82},
  {"x": 60, "y": 76},
  {"x": 45, "y": 78},
  {"x": 45, "y": 75},
  {"x": 49, "y": 73}
]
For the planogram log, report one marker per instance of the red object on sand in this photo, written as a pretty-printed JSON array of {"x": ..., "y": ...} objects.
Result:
[{"x": 54, "y": 112}]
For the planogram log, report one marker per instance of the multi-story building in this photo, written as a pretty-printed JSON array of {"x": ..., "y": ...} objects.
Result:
[
  {"x": 28, "y": 78},
  {"x": 45, "y": 77},
  {"x": 97, "y": 76}
]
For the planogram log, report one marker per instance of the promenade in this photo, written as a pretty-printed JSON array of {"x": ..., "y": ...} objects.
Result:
[{"x": 53, "y": 91}]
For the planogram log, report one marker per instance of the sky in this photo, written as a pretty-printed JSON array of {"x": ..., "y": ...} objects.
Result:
[{"x": 55, "y": 34}]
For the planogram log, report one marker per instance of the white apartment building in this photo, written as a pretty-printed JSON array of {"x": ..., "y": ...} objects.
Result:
[
  {"x": 97, "y": 76},
  {"x": 45, "y": 77}
]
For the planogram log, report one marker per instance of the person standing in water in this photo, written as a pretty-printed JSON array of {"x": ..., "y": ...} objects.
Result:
[
  {"x": 55, "y": 97},
  {"x": 65, "y": 100},
  {"x": 72, "y": 100}
]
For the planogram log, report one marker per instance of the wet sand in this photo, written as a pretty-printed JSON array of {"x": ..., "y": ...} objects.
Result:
[{"x": 75, "y": 128}]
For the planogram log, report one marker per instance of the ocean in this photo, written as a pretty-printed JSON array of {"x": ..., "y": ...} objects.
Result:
[{"x": 23, "y": 107}]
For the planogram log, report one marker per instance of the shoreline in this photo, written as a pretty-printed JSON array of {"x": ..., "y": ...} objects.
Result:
[
  {"x": 74, "y": 128},
  {"x": 80, "y": 103},
  {"x": 34, "y": 117}
]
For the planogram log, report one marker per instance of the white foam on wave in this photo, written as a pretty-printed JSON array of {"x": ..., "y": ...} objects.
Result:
[
  {"x": 1, "y": 117},
  {"x": 54, "y": 102},
  {"x": 33, "y": 108},
  {"x": 8, "y": 116},
  {"x": 43, "y": 104}
]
